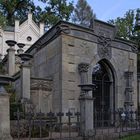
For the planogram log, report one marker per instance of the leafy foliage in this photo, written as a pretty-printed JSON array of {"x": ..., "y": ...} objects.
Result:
[
  {"x": 83, "y": 13},
  {"x": 53, "y": 11},
  {"x": 132, "y": 137},
  {"x": 12, "y": 9},
  {"x": 2, "y": 70},
  {"x": 125, "y": 25},
  {"x": 3, "y": 21},
  {"x": 14, "y": 104}
]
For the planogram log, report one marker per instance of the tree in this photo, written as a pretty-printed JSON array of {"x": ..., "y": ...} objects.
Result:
[
  {"x": 126, "y": 30},
  {"x": 125, "y": 25},
  {"x": 83, "y": 13},
  {"x": 55, "y": 10},
  {"x": 3, "y": 21},
  {"x": 50, "y": 15},
  {"x": 12, "y": 9}
]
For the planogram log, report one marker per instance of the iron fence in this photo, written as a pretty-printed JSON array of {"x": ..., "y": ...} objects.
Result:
[
  {"x": 115, "y": 124},
  {"x": 50, "y": 125},
  {"x": 107, "y": 125}
]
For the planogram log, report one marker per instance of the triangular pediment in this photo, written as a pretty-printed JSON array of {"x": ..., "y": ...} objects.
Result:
[{"x": 28, "y": 31}]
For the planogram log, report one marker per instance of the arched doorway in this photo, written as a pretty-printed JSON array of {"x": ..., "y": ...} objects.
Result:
[{"x": 104, "y": 94}]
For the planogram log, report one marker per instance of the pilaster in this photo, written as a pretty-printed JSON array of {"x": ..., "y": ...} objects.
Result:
[{"x": 86, "y": 102}]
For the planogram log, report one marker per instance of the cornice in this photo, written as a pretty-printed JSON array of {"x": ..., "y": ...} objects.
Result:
[{"x": 92, "y": 35}]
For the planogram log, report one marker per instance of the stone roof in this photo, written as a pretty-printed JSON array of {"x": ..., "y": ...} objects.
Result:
[{"x": 100, "y": 29}]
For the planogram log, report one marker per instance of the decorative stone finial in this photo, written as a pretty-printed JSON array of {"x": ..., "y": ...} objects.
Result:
[
  {"x": 83, "y": 67},
  {"x": 20, "y": 45},
  {"x": 11, "y": 43},
  {"x": 20, "y": 50},
  {"x": 25, "y": 57}
]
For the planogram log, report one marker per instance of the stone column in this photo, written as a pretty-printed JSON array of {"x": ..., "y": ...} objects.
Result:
[
  {"x": 4, "y": 110},
  {"x": 11, "y": 57},
  {"x": 25, "y": 75},
  {"x": 86, "y": 102}
]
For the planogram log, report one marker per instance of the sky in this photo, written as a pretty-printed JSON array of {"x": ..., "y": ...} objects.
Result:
[{"x": 110, "y": 9}]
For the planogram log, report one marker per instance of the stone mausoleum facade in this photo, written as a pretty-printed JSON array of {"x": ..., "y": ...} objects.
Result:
[
  {"x": 110, "y": 63},
  {"x": 78, "y": 69},
  {"x": 69, "y": 55}
]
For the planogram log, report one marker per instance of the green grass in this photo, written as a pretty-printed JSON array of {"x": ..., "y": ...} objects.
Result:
[{"x": 134, "y": 137}]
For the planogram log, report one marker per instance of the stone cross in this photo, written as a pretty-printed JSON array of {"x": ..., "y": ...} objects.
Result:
[{"x": 30, "y": 9}]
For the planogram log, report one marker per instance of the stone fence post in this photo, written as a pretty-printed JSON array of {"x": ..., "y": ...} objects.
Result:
[
  {"x": 4, "y": 109},
  {"x": 86, "y": 103},
  {"x": 11, "y": 57},
  {"x": 25, "y": 75}
]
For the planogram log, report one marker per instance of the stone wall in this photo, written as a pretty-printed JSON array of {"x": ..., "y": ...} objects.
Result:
[
  {"x": 41, "y": 94},
  {"x": 47, "y": 64},
  {"x": 4, "y": 117},
  {"x": 58, "y": 53},
  {"x": 77, "y": 50}
]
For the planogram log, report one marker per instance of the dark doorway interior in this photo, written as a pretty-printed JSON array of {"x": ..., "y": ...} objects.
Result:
[{"x": 102, "y": 77}]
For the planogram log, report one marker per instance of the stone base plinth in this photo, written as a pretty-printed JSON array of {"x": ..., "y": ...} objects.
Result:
[
  {"x": 4, "y": 118},
  {"x": 87, "y": 119}
]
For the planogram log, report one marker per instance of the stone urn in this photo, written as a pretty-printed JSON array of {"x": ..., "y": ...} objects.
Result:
[
  {"x": 21, "y": 46},
  {"x": 25, "y": 57},
  {"x": 11, "y": 43}
]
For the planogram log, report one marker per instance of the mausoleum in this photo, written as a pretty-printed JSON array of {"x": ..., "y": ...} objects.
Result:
[{"x": 75, "y": 68}]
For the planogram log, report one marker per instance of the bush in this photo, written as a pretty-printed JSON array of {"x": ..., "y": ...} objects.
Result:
[
  {"x": 133, "y": 137},
  {"x": 13, "y": 109},
  {"x": 36, "y": 132}
]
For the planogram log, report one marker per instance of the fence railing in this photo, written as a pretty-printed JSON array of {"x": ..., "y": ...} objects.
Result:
[
  {"x": 112, "y": 124},
  {"x": 107, "y": 124},
  {"x": 50, "y": 125}
]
